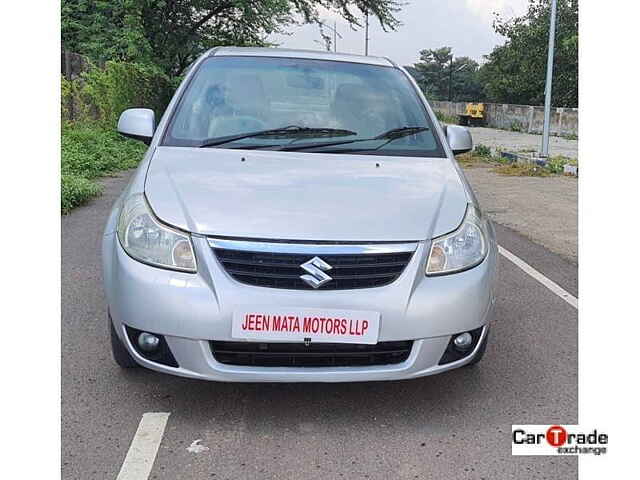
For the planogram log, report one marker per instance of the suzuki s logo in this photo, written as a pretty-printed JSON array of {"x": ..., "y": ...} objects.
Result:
[{"x": 316, "y": 268}]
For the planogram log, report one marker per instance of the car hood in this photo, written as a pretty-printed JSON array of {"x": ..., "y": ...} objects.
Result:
[{"x": 304, "y": 196}]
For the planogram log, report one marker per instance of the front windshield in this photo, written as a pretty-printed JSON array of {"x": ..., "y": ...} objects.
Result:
[{"x": 237, "y": 95}]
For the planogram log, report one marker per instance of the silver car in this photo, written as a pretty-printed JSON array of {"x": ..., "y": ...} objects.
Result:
[{"x": 299, "y": 216}]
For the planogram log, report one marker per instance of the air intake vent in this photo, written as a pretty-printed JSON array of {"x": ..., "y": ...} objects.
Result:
[{"x": 313, "y": 355}]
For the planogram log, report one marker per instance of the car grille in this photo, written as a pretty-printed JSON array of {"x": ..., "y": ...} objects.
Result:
[
  {"x": 313, "y": 355},
  {"x": 283, "y": 270}
]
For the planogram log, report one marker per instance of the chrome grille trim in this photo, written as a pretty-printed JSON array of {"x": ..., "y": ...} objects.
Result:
[{"x": 311, "y": 248}]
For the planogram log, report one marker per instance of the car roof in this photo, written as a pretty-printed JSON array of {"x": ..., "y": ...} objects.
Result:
[{"x": 291, "y": 53}]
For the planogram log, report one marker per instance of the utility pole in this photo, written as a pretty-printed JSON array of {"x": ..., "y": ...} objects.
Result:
[
  {"x": 451, "y": 72},
  {"x": 334, "y": 29},
  {"x": 366, "y": 32},
  {"x": 451, "y": 78},
  {"x": 547, "y": 91}
]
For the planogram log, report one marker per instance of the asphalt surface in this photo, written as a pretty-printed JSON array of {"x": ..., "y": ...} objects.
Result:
[{"x": 453, "y": 425}]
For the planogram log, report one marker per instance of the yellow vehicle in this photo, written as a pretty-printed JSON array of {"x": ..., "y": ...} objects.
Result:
[{"x": 473, "y": 115}]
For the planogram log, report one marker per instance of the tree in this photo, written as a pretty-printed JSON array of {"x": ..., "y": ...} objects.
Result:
[
  {"x": 441, "y": 76},
  {"x": 515, "y": 72},
  {"x": 413, "y": 71},
  {"x": 172, "y": 33}
]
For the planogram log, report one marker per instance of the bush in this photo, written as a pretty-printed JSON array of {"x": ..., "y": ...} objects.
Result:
[
  {"x": 445, "y": 118},
  {"x": 76, "y": 190},
  {"x": 103, "y": 94},
  {"x": 482, "y": 151},
  {"x": 516, "y": 126},
  {"x": 89, "y": 151},
  {"x": 90, "y": 107},
  {"x": 556, "y": 164},
  {"x": 122, "y": 85},
  {"x": 66, "y": 97}
]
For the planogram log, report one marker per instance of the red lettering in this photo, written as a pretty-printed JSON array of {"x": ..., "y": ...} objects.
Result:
[
  {"x": 292, "y": 323},
  {"x": 356, "y": 329},
  {"x": 329, "y": 325}
]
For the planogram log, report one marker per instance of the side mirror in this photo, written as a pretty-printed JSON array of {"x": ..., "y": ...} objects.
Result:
[
  {"x": 137, "y": 123},
  {"x": 459, "y": 139}
]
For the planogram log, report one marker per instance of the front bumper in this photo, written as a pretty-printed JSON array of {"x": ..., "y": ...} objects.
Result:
[{"x": 192, "y": 309}]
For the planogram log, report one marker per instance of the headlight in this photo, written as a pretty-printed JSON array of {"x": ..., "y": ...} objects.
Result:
[
  {"x": 459, "y": 250},
  {"x": 144, "y": 239}
]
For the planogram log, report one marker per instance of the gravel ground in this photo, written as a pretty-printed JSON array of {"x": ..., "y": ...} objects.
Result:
[
  {"x": 544, "y": 209},
  {"x": 517, "y": 141}
]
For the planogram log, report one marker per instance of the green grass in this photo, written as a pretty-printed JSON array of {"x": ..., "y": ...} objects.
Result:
[
  {"x": 556, "y": 164},
  {"x": 482, "y": 156},
  {"x": 482, "y": 151},
  {"x": 469, "y": 160},
  {"x": 445, "y": 118},
  {"x": 522, "y": 170},
  {"x": 516, "y": 126},
  {"x": 90, "y": 152}
]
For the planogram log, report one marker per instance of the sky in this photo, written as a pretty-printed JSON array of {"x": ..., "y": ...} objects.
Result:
[{"x": 463, "y": 25}]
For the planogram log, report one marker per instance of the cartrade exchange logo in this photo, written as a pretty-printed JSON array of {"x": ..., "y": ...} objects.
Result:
[{"x": 557, "y": 440}]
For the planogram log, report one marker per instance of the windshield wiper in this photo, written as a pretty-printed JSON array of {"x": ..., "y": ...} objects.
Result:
[
  {"x": 400, "y": 132},
  {"x": 292, "y": 130},
  {"x": 389, "y": 136}
]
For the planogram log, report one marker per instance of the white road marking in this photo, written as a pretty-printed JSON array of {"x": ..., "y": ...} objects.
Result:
[
  {"x": 144, "y": 447},
  {"x": 529, "y": 270}
]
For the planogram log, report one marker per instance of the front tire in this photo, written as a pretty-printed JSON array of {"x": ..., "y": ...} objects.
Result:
[{"x": 120, "y": 353}]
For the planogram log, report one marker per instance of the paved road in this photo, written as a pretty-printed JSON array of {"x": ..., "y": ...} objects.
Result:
[{"x": 455, "y": 425}]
